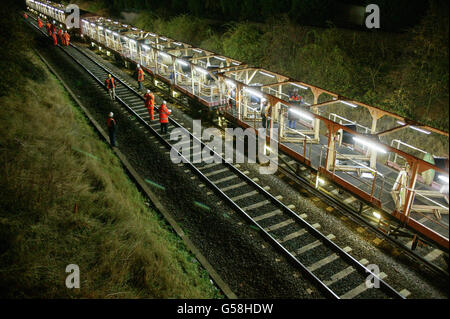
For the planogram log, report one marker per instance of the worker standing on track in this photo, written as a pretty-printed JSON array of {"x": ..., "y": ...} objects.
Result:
[
  {"x": 111, "y": 87},
  {"x": 112, "y": 129},
  {"x": 53, "y": 27},
  {"x": 48, "y": 27},
  {"x": 150, "y": 103},
  {"x": 66, "y": 37},
  {"x": 164, "y": 113},
  {"x": 140, "y": 76},
  {"x": 55, "y": 39},
  {"x": 25, "y": 15},
  {"x": 40, "y": 24},
  {"x": 60, "y": 35}
]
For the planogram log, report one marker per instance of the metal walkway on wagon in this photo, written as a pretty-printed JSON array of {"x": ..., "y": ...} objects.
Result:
[{"x": 387, "y": 202}]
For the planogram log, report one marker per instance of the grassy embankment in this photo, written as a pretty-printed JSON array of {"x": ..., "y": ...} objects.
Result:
[{"x": 51, "y": 159}]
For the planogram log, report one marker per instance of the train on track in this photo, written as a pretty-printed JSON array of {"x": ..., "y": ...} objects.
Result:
[{"x": 384, "y": 159}]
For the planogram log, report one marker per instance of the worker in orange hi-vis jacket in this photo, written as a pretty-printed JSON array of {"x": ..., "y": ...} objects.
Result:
[
  {"x": 150, "y": 103},
  {"x": 55, "y": 39},
  {"x": 25, "y": 15},
  {"x": 140, "y": 76},
  {"x": 53, "y": 27},
  {"x": 164, "y": 113},
  {"x": 111, "y": 86},
  {"x": 60, "y": 35},
  {"x": 40, "y": 24},
  {"x": 49, "y": 29},
  {"x": 66, "y": 37}
]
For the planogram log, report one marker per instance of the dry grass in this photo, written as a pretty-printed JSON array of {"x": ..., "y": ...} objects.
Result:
[{"x": 51, "y": 160}]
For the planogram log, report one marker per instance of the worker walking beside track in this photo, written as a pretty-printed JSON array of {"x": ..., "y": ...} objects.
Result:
[
  {"x": 53, "y": 27},
  {"x": 48, "y": 27},
  {"x": 149, "y": 103},
  {"x": 140, "y": 76},
  {"x": 164, "y": 113},
  {"x": 55, "y": 39},
  {"x": 40, "y": 24},
  {"x": 111, "y": 86},
  {"x": 66, "y": 38},
  {"x": 112, "y": 129},
  {"x": 60, "y": 35}
]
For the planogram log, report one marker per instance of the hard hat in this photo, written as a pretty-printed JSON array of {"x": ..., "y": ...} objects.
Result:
[
  {"x": 164, "y": 102},
  {"x": 138, "y": 65},
  {"x": 109, "y": 75},
  {"x": 148, "y": 91},
  {"x": 111, "y": 114}
]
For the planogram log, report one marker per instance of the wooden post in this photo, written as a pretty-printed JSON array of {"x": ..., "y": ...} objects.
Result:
[
  {"x": 156, "y": 62},
  {"x": 410, "y": 190},
  {"x": 238, "y": 99},
  {"x": 220, "y": 86},
  {"x": 373, "y": 185},
  {"x": 192, "y": 80},
  {"x": 174, "y": 71},
  {"x": 272, "y": 106},
  {"x": 315, "y": 110},
  {"x": 278, "y": 106},
  {"x": 304, "y": 149},
  {"x": 131, "y": 49},
  {"x": 281, "y": 123},
  {"x": 373, "y": 153},
  {"x": 280, "y": 126},
  {"x": 245, "y": 106},
  {"x": 331, "y": 158}
]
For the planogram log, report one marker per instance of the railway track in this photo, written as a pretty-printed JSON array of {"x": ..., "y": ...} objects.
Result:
[{"x": 330, "y": 267}]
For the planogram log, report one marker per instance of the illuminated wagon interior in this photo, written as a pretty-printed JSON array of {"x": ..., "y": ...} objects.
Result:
[
  {"x": 192, "y": 70},
  {"x": 396, "y": 164},
  {"x": 53, "y": 12}
]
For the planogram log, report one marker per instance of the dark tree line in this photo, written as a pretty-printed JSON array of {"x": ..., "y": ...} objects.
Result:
[{"x": 395, "y": 15}]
